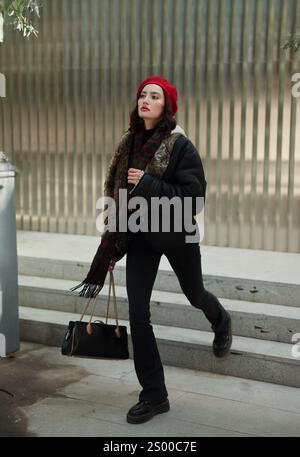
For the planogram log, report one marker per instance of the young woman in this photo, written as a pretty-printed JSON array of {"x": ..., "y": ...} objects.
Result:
[{"x": 155, "y": 159}]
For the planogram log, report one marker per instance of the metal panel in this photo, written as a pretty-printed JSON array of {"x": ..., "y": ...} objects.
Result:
[{"x": 69, "y": 94}]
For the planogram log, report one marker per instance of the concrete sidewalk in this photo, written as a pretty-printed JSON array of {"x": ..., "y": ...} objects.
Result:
[{"x": 45, "y": 394}]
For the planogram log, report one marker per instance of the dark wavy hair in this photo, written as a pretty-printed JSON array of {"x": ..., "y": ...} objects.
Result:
[{"x": 166, "y": 124}]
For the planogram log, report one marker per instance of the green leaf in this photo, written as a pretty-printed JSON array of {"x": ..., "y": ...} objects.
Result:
[{"x": 19, "y": 11}]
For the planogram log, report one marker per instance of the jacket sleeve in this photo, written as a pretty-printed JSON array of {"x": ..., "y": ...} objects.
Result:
[{"x": 188, "y": 179}]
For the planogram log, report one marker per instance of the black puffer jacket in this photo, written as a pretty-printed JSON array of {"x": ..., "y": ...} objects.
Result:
[{"x": 184, "y": 177}]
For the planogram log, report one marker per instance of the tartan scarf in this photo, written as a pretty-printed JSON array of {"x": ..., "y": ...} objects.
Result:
[{"x": 113, "y": 245}]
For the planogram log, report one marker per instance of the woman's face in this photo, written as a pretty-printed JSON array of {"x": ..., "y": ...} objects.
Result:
[{"x": 152, "y": 97}]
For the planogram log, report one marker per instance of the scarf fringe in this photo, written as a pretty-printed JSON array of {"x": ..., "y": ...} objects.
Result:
[{"x": 89, "y": 290}]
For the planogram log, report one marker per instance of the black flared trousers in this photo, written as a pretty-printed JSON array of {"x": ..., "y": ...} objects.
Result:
[{"x": 142, "y": 264}]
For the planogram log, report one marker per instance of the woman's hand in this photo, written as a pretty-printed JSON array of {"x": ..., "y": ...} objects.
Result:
[{"x": 134, "y": 175}]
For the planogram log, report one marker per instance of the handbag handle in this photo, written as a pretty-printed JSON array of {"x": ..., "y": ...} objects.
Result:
[{"x": 111, "y": 286}]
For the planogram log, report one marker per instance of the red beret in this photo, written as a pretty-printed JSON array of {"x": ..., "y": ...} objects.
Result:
[{"x": 170, "y": 90}]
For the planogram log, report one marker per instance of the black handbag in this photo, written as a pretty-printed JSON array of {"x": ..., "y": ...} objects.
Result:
[{"x": 97, "y": 339}]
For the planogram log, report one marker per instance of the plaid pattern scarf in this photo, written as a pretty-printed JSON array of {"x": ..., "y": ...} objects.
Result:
[{"x": 113, "y": 245}]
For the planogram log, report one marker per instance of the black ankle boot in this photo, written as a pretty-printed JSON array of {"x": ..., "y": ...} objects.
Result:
[
  {"x": 144, "y": 410},
  {"x": 223, "y": 335}
]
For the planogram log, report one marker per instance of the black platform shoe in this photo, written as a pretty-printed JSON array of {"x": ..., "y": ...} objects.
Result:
[
  {"x": 144, "y": 410},
  {"x": 223, "y": 336}
]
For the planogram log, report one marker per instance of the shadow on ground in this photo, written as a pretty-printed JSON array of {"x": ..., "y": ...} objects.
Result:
[{"x": 25, "y": 378}]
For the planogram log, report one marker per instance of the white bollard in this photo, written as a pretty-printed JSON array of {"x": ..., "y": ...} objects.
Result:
[
  {"x": 2, "y": 337},
  {"x": 9, "y": 312}
]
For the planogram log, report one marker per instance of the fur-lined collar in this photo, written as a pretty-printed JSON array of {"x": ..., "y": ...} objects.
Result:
[
  {"x": 116, "y": 176},
  {"x": 160, "y": 161},
  {"x": 178, "y": 129}
]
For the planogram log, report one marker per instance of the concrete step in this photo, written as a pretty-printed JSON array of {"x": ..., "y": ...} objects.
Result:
[
  {"x": 237, "y": 274},
  {"x": 249, "y": 319},
  {"x": 249, "y": 358}
]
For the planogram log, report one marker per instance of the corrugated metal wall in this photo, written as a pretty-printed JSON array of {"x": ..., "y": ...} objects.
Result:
[{"x": 69, "y": 94}]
